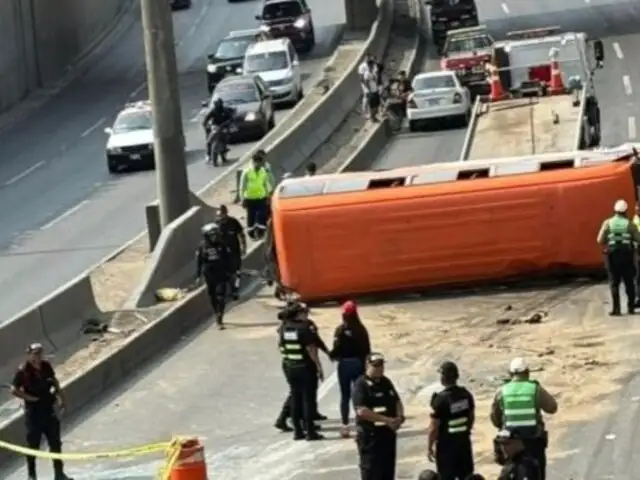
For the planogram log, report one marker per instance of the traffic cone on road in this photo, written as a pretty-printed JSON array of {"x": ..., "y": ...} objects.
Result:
[
  {"x": 556, "y": 86},
  {"x": 191, "y": 463},
  {"x": 497, "y": 93}
]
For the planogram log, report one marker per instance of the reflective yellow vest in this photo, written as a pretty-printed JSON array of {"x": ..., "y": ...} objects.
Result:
[{"x": 256, "y": 186}]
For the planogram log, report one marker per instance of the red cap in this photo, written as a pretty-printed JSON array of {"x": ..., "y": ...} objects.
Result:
[{"x": 349, "y": 307}]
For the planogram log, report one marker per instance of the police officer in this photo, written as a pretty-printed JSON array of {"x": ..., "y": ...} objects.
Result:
[
  {"x": 517, "y": 407},
  {"x": 617, "y": 235},
  {"x": 233, "y": 237},
  {"x": 301, "y": 311},
  {"x": 218, "y": 115},
  {"x": 256, "y": 184},
  {"x": 379, "y": 414},
  {"x": 452, "y": 418},
  {"x": 519, "y": 464},
  {"x": 213, "y": 261},
  {"x": 36, "y": 384},
  {"x": 301, "y": 365}
]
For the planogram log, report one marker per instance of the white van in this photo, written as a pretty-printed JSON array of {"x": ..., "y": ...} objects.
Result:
[{"x": 277, "y": 63}]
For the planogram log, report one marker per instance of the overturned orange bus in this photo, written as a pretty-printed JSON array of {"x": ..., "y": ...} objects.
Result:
[{"x": 441, "y": 225}]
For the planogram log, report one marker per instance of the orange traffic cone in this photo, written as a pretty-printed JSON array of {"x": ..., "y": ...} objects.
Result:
[
  {"x": 556, "y": 87},
  {"x": 190, "y": 464},
  {"x": 497, "y": 92}
]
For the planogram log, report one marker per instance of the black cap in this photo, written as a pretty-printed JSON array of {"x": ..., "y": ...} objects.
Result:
[
  {"x": 449, "y": 369},
  {"x": 375, "y": 357},
  {"x": 428, "y": 475}
]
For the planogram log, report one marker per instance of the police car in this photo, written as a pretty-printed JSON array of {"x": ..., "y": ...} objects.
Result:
[{"x": 130, "y": 143}]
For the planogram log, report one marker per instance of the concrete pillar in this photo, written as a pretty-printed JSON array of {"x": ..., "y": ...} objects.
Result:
[{"x": 360, "y": 13}]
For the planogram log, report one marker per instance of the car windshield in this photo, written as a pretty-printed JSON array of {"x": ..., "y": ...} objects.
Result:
[
  {"x": 132, "y": 120},
  {"x": 265, "y": 62},
  {"x": 233, "y": 48},
  {"x": 436, "y": 81},
  {"x": 468, "y": 44},
  {"x": 236, "y": 93},
  {"x": 279, "y": 10}
]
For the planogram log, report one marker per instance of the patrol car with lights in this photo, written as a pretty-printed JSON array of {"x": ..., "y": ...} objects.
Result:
[{"x": 130, "y": 143}]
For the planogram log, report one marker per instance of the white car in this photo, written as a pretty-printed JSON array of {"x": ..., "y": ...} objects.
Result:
[
  {"x": 130, "y": 143},
  {"x": 437, "y": 96},
  {"x": 277, "y": 64}
]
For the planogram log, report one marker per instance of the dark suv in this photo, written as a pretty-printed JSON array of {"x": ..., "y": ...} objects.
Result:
[
  {"x": 291, "y": 19},
  {"x": 449, "y": 15}
]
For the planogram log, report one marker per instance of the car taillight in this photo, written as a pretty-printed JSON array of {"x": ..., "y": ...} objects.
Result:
[
  {"x": 411, "y": 103},
  {"x": 457, "y": 98}
]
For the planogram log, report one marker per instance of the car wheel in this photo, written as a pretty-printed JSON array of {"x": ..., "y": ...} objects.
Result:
[
  {"x": 300, "y": 93},
  {"x": 112, "y": 168},
  {"x": 465, "y": 118},
  {"x": 413, "y": 126},
  {"x": 272, "y": 122}
]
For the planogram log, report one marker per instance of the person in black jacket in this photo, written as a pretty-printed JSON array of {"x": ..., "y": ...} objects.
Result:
[
  {"x": 519, "y": 465},
  {"x": 351, "y": 346}
]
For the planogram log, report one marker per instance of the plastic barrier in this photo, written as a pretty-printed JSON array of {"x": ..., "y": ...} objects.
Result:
[
  {"x": 436, "y": 227},
  {"x": 184, "y": 457}
]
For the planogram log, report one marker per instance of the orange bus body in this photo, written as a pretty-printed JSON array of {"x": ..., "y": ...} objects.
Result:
[{"x": 446, "y": 234}]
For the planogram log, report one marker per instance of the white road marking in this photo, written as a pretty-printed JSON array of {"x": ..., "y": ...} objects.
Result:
[
  {"x": 191, "y": 31},
  {"x": 64, "y": 215},
  {"x": 327, "y": 385},
  {"x": 138, "y": 90},
  {"x": 93, "y": 127},
  {"x": 505, "y": 8},
  {"x": 618, "y": 50},
  {"x": 626, "y": 81},
  {"x": 21, "y": 175},
  {"x": 632, "y": 128}
]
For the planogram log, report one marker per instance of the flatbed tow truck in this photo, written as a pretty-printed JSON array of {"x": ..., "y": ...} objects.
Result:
[{"x": 529, "y": 120}]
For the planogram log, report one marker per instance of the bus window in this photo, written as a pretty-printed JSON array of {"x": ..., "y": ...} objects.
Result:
[
  {"x": 473, "y": 174},
  {"x": 547, "y": 167},
  {"x": 386, "y": 183}
]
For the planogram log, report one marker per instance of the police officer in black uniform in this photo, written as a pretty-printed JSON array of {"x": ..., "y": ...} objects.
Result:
[
  {"x": 36, "y": 384},
  {"x": 301, "y": 367},
  {"x": 379, "y": 414},
  {"x": 233, "y": 237},
  {"x": 518, "y": 463},
  {"x": 301, "y": 311},
  {"x": 213, "y": 262},
  {"x": 452, "y": 418}
]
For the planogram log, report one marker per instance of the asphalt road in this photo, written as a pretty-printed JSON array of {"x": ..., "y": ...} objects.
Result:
[{"x": 60, "y": 210}]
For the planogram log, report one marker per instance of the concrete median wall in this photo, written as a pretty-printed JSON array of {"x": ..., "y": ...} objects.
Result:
[{"x": 42, "y": 39}]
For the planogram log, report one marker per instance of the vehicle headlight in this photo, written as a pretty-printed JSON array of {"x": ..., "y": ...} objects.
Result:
[
  {"x": 114, "y": 150},
  {"x": 250, "y": 117},
  {"x": 211, "y": 68},
  {"x": 300, "y": 23}
]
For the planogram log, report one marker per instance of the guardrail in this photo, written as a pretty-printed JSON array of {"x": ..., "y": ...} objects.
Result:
[
  {"x": 581, "y": 124},
  {"x": 471, "y": 130},
  {"x": 67, "y": 308}
]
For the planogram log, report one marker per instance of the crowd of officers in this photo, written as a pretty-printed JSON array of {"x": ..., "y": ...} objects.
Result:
[{"x": 516, "y": 411}]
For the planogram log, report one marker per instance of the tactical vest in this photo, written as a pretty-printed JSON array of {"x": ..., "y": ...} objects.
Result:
[
  {"x": 618, "y": 235},
  {"x": 519, "y": 405},
  {"x": 293, "y": 352}
]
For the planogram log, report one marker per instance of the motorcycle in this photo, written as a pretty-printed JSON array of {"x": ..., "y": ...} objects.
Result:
[{"x": 217, "y": 142}]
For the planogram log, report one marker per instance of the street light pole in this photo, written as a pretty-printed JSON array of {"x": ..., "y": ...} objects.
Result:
[{"x": 164, "y": 94}]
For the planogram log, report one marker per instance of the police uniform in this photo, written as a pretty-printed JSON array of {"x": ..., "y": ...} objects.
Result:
[
  {"x": 454, "y": 408},
  {"x": 213, "y": 261},
  {"x": 518, "y": 465},
  {"x": 636, "y": 222},
  {"x": 294, "y": 338},
  {"x": 255, "y": 190},
  {"x": 231, "y": 231},
  {"x": 40, "y": 416},
  {"x": 376, "y": 441},
  {"x": 620, "y": 262}
]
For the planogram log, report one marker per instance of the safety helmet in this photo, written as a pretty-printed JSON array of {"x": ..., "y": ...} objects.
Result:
[
  {"x": 518, "y": 365},
  {"x": 620, "y": 206},
  {"x": 449, "y": 369},
  {"x": 209, "y": 229},
  {"x": 287, "y": 175},
  {"x": 218, "y": 102},
  {"x": 349, "y": 307}
]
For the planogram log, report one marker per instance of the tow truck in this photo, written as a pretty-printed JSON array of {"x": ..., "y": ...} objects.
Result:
[
  {"x": 466, "y": 52},
  {"x": 530, "y": 120},
  {"x": 446, "y": 15}
]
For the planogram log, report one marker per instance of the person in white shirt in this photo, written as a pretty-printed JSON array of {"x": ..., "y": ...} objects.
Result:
[{"x": 367, "y": 71}]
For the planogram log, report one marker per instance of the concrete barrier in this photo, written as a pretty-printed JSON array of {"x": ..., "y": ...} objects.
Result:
[
  {"x": 42, "y": 39},
  {"x": 476, "y": 111},
  {"x": 175, "y": 245}
]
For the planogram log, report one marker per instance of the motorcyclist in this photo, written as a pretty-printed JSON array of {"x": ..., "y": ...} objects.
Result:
[
  {"x": 213, "y": 262},
  {"x": 219, "y": 116}
]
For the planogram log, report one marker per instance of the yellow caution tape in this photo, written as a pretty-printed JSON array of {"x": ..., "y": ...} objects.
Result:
[
  {"x": 129, "y": 452},
  {"x": 174, "y": 453}
]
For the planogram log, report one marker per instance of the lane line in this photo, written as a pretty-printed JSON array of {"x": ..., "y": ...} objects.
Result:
[
  {"x": 505, "y": 8},
  {"x": 626, "y": 81},
  {"x": 618, "y": 50},
  {"x": 93, "y": 127},
  {"x": 631, "y": 125},
  {"x": 64, "y": 215},
  {"x": 21, "y": 175},
  {"x": 138, "y": 90}
]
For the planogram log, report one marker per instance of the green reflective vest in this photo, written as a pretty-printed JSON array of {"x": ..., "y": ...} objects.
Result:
[
  {"x": 256, "y": 186},
  {"x": 519, "y": 404},
  {"x": 618, "y": 232}
]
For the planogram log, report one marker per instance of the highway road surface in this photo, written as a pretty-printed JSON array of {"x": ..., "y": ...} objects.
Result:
[{"x": 60, "y": 210}]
